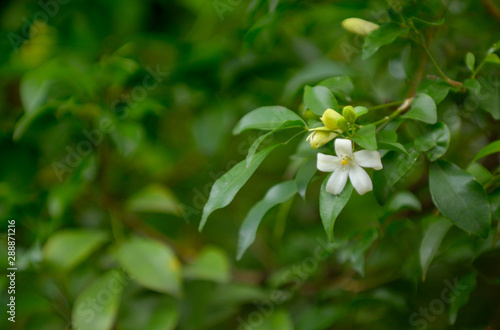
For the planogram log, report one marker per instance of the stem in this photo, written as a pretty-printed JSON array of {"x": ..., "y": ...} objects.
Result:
[
  {"x": 440, "y": 72},
  {"x": 405, "y": 105},
  {"x": 386, "y": 105},
  {"x": 476, "y": 71},
  {"x": 492, "y": 9},
  {"x": 422, "y": 42},
  {"x": 387, "y": 118},
  {"x": 419, "y": 74}
]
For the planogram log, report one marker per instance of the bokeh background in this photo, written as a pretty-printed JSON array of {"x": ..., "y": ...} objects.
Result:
[{"x": 168, "y": 79}]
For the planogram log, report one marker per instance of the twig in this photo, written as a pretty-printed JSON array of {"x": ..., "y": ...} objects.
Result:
[{"x": 405, "y": 105}]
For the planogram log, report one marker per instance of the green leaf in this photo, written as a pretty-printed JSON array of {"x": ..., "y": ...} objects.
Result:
[
  {"x": 25, "y": 121},
  {"x": 403, "y": 200},
  {"x": 470, "y": 61},
  {"x": 96, "y": 307},
  {"x": 387, "y": 136},
  {"x": 491, "y": 148},
  {"x": 228, "y": 185},
  {"x": 423, "y": 108},
  {"x": 268, "y": 119},
  {"x": 279, "y": 319},
  {"x": 148, "y": 312},
  {"x": 384, "y": 35},
  {"x": 67, "y": 248},
  {"x": 211, "y": 264},
  {"x": 395, "y": 167},
  {"x": 438, "y": 90},
  {"x": 330, "y": 206},
  {"x": 420, "y": 23},
  {"x": 255, "y": 145},
  {"x": 489, "y": 101},
  {"x": 480, "y": 173},
  {"x": 461, "y": 292},
  {"x": 460, "y": 198},
  {"x": 494, "y": 47},
  {"x": 321, "y": 316},
  {"x": 33, "y": 90},
  {"x": 433, "y": 236},
  {"x": 165, "y": 316},
  {"x": 305, "y": 175},
  {"x": 392, "y": 146},
  {"x": 277, "y": 194},
  {"x": 127, "y": 137},
  {"x": 365, "y": 137},
  {"x": 154, "y": 198},
  {"x": 151, "y": 264},
  {"x": 342, "y": 83},
  {"x": 341, "y": 87},
  {"x": 355, "y": 250},
  {"x": 492, "y": 58},
  {"x": 434, "y": 140},
  {"x": 387, "y": 140},
  {"x": 473, "y": 85},
  {"x": 318, "y": 99},
  {"x": 360, "y": 110}
]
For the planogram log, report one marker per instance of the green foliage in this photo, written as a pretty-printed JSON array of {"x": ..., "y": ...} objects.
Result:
[
  {"x": 152, "y": 264},
  {"x": 460, "y": 198},
  {"x": 227, "y": 186},
  {"x": 491, "y": 148},
  {"x": 431, "y": 241},
  {"x": 85, "y": 316},
  {"x": 365, "y": 137},
  {"x": 423, "y": 108},
  {"x": 384, "y": 35},
  {"x": 211, "y": 264},
  {"x": 268, "y": 118},
  {"x": 330, "y": 207},
  {"x": 318, "y": 99},
  {"x": 66, "y": 249},
  {"x": 434, "y": 141},
  {"x": 277, "y": 194}
]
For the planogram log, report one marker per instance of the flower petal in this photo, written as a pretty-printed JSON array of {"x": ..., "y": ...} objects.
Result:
[
  {"x": 337, "y": 181},
  {"x": 327, "y": 163},
  {"x": 366, "y": 158},
  {"x": 343, "y": 147},
  {"x": 360, "y": 180}
]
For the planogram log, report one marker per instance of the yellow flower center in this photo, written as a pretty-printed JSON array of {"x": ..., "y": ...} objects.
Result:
[{"x": 345, "y": 160}]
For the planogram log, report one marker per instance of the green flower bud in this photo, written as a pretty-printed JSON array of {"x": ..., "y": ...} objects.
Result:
[
  {"x": 319, "y": 138},
  {"x": 329, "y": 118},
  {"x": 342, "y": 124},
  {"x": 359, "y": 26},
  {"x": 349, "y": 114}
]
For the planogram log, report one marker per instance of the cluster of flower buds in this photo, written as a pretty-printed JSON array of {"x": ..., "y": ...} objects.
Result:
[{"x": 334, "y": 124}]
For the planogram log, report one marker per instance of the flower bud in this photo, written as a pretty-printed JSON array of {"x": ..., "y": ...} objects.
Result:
[
  {"x": 342, "y": 124},
  {"x": 359, "y": 26},
  {"x": 319, "y": 138},
  {"x": 329, "y": 118},
  {"x": 349, "y": 114}
]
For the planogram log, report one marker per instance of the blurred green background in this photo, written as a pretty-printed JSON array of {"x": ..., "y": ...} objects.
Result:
[{"x": 115, "y": 121}]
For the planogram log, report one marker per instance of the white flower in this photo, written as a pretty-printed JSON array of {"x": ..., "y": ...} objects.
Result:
[{"x": 348, "y": 164}]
